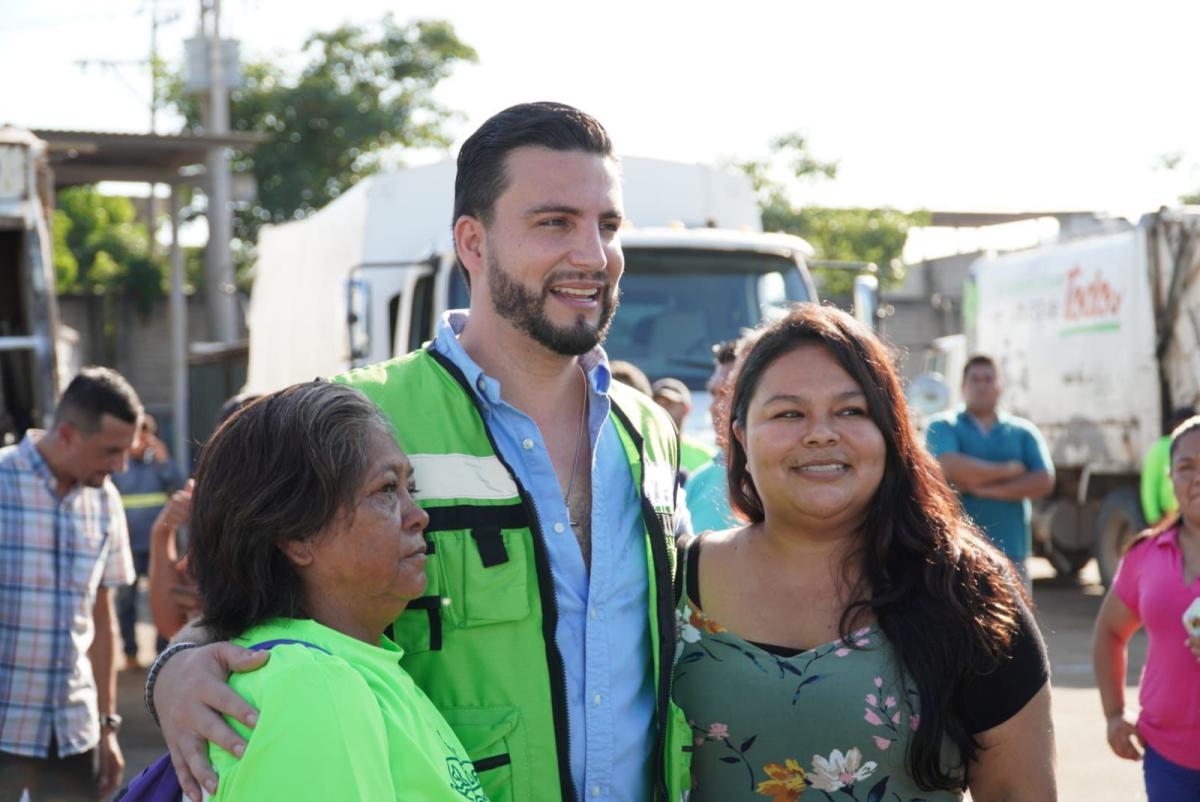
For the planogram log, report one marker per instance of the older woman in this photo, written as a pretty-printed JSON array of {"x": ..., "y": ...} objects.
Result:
[
  {"x": 305, "y": 540},
  {"x": 858, "y": 635},
  {"x": 1157, "y": 583}
]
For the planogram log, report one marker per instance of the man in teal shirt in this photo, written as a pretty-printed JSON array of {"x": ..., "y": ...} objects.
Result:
[{"x": 997, "y": 462}]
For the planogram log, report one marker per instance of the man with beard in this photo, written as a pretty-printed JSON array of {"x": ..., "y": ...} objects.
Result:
[
  {"x": 546, "y": 635},
  {"x": 65, "y": 548}
]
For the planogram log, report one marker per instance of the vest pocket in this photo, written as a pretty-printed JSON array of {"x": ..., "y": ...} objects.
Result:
[
  {"x": 678, "y": 756},
  {"x": 495, "y": 741},
  {"x": 419, "y": 627},
  {"x": 484, "y": 575}
]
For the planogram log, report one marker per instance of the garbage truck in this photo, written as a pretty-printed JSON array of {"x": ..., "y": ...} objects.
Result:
[
  {"x": 1097, "y": 339},
  {"x": 367, "y": 277},
  {"x": 29, "y": 377}
]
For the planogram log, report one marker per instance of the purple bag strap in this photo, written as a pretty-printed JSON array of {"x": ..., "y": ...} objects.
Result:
[{"x": 157, "y": 782}]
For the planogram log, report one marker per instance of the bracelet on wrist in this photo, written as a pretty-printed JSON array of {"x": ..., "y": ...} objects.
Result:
[{"x": 152, "y": 675}]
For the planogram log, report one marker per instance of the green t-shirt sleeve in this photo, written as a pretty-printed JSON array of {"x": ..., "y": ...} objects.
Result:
[
  {"x": 320, "y": 734},
  {"x": 1154, "y": 473}
]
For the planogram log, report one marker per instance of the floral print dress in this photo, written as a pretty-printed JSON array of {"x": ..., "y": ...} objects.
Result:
[{"x": 830, "y": 723}]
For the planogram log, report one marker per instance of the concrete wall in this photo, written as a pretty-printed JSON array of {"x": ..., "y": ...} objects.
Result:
[{"x": 137, "y": 346}]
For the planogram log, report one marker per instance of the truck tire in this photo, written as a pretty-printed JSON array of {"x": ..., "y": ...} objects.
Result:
[
  {"x": 1119, "y": 520},
  {"x": 1069, "y": 563}
]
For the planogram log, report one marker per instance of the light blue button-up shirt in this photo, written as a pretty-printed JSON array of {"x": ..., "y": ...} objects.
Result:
[{"x": 603, "y": 628}]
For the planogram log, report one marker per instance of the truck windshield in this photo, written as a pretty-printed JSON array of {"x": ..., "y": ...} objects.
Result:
[{"x": 677, "y": 303}]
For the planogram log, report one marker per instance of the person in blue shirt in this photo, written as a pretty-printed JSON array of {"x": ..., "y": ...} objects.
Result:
[
  {"x": 997, "y": 462},
  {"x": 707, "y": 492},
  {"x": 145, "y": 485}
]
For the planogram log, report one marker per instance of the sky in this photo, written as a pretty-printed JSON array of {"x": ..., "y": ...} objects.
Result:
[{"x": 1010, "y": 106}]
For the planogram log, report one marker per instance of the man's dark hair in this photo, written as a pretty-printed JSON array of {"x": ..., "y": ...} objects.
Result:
[
  {"x": 979, "y": 359},
  {"x": 1180, "y": 415},
  {"x": 630, "y": 374},
  {"x": 725, "y": 352},
  {"x": 96, "y": 392},
  {"x": 280, "y": 468},
  {"x": 925, "y": 567},
  {"x": 234, "y": 403},
  {"x": 482, "y": 178}
]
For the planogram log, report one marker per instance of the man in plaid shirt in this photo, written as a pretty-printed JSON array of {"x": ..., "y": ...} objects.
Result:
[{"x": 63, "y": 548}]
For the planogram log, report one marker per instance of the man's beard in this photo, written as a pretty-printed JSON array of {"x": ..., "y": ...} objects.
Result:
[{"x": 526, "y": 310}]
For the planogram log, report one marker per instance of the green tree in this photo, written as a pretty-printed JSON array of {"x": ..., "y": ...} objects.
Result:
[
  {"x": 101, "y": 248},
  {"x": 851, "y": 235},
  {"x": 363, "y": 90}
]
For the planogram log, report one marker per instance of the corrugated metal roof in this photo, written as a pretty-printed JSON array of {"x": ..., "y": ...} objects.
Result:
[{"x": 84, "y": 157}]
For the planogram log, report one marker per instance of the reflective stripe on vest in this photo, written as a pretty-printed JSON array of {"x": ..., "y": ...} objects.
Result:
[
  {"x": 141, "y": 501},
  {"x": 461, "y": 476}
]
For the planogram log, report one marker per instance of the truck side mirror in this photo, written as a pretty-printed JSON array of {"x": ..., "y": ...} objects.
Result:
[
  {"x": 358, "y": 311},
  {"x": 866, "y": 300}
]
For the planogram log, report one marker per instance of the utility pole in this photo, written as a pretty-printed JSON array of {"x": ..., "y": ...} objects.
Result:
[
  {"x": 221, "y": 299},
  {"x": 115, "y": 66},
  {"x": 152, "y": 201}
]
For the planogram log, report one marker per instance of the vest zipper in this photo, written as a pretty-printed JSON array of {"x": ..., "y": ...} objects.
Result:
[
  {"x": 557, "y": 669},
  {"x": 554, "y": 662},
  {"x": 664, "y": 606}
]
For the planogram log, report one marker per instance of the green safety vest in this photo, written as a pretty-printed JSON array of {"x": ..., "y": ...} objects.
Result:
[{"x": 481, "y": 642}]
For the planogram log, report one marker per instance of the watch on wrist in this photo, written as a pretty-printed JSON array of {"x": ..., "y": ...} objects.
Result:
[{"x": 110, "y": 722}]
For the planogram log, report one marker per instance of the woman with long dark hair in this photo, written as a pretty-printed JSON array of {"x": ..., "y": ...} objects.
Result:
[
  {"x": 858, "y": 635},
  {"x": 1157, "y": 586}
]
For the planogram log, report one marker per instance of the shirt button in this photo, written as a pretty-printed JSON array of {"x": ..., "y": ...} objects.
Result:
[
  {"x": 481, "y": 384},
  {"x": 596, "y": 698},
  {"x": 558, "y": 527},
  {"x": 527, "y": 443},
  {"x": 593, "y": 614},
  {"x": 595, "y": 790}
]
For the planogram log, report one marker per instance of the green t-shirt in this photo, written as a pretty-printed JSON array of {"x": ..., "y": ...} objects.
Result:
[
  {"x": 708, "y": 498},
  {"x": 1158, "y": 494},
  {"x": 344, "y": 723},
  {"x": 693, "y": 454}
]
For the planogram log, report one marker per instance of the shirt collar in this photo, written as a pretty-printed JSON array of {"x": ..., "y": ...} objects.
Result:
[
  {"x": 963, "y": 414},
  {"x": 1168, "y": 539},
  {"x": 38, "y": 464},
  {"x": 451, "y": 325}
]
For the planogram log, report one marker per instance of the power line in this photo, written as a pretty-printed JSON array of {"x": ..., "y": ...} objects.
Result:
[{"x": 14, "y": 26}]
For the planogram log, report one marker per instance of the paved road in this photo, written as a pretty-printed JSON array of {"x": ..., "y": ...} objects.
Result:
[{"x": 1087, "y": 770}]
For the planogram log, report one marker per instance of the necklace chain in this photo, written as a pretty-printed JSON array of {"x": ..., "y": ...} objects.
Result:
[{"x": 578, "y": 444}]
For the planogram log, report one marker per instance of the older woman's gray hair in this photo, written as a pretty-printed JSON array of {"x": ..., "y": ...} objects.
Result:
[{"x": 281, "y": 468}]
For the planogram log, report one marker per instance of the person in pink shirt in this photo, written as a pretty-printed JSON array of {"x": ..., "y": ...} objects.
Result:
[{"x": 1157, "y": 581}]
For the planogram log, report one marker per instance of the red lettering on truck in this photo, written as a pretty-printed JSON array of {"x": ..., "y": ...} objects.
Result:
[{"x": 1093, "y": 299}]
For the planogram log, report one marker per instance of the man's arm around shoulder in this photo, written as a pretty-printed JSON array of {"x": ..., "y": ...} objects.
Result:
[{"x": 190, "y": 694}]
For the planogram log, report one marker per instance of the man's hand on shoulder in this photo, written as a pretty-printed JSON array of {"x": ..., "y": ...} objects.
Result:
[{"x": 191, "y": 693}]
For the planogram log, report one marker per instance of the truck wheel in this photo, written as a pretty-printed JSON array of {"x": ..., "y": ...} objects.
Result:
[
  {"x": 1069, "y": 562},
  {"x": 1120, "y": 518}
]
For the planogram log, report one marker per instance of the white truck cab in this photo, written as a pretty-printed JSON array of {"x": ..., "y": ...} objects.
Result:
[
  {"x": 367, "y": 277},
  {"x": 29, "y": 380}
]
